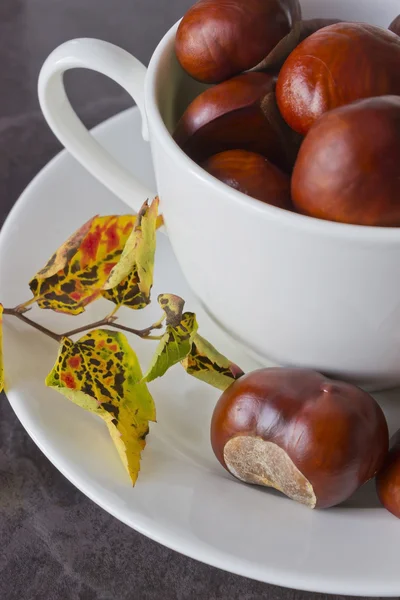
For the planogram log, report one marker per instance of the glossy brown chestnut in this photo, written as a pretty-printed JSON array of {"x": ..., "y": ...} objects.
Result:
[
  {"x": 388, "y": 479},
  {"x": 314, "y": 439},
  {"x": 251, "y": 174},
  {"x": 240, "y": 113},
  {"x": 395, "y": 26},
  {"x": 336, "y": 66},
  {"x": 218, "y": 39},
  {"x": 348, "y": 167},
  {"x": 299, "y": 32}
]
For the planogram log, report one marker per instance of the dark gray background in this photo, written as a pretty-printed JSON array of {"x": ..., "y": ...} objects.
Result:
[{"x": 55, "y": 543}]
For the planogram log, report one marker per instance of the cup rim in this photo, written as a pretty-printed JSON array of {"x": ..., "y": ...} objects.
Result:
[{"x": 362, "y": 233}]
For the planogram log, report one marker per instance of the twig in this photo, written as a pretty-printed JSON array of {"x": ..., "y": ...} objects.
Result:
[
  {"x": 109, "y": 320},
  {"x": 14, "y": 312},
  {"x": 106, "y": 321},
  {"x": 143, "y": 333}
]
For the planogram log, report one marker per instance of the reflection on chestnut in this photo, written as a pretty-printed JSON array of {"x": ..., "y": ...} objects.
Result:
[
  {"x": 336, "y": 66},
  {"x": 348, "y": 166},
  {"x": 395, "y": 25},
  {"x": 218, "y": 39},
  {"x": 388, "y": 479},
  {"x": 251, "y": 174},
  {"x": 314, "y": 439},
  {"x": 240, "y": 113},
  {"x": 299, "y": 32}
]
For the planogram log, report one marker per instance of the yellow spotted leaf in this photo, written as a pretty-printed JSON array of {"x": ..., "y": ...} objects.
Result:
[
  {"x": 177, "y": 340},
  {"x": 208, "y": 365},
  {"x": 101, "y": 374},
  {"x": 75, "y": 275},
  {"x": 1, "y": 351},
  {"x": 131, "y": 280}
]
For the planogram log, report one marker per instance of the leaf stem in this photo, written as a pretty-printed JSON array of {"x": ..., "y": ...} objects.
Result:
[
  {"x": 114, "y": 311},
  {"x": 21, "y": 308}
]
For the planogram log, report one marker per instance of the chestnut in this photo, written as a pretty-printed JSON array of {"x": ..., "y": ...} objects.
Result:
[
  {"x": 251, "y": 174},
  {"x": 299, "y": 32},
  {"x": 240, "y": 113},
  {"x": 336, "y": 66},
  {"x": 312, "y": 438},
  {"x": 395, "y": 26},
  {"x": 348, "y": 166},
  {"x": 218, "y": 39},
  {"x": 388, "y": 479}
]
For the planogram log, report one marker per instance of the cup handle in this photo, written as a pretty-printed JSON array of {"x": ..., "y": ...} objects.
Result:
[{"x": 124, "y": 69}]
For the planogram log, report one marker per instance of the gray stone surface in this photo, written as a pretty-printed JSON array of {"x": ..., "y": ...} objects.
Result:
[{"x": 55, "y": 543}]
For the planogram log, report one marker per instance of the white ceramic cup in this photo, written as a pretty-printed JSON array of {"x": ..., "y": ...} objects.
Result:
[{"x": 291, "y": 289}]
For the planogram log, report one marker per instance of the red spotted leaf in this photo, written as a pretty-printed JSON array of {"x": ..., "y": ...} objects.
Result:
[
  {"x": 62, "y": 256},
  {"x": 77, "y": 272},
  {"x": 101, "y": 374}
]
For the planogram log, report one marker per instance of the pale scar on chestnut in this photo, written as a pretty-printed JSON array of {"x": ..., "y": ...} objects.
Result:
[{"x": 253, "y": 460}]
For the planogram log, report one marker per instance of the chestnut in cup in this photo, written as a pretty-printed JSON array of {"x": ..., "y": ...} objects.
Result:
[
  {"x": 312, "y": 438},
  {"x": 388, "y": 479},
  {"x": 348, "y": 167},
  {"x": 395, "y": 26},
  {"x": 336, "y": 66},
  {"x": 240, "y": 113},
  {"x": 218, "y": 39},
  {"x": 251, "y": 174}
]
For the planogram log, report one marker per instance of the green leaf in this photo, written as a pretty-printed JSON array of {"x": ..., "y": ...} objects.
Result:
[
  {"x": 177, "y": 340},
  {"x": 1, "y": 350},
  {"x": 131, "y": 280},
  {"x": 208, "y": 365},
  {"x": 75, "y": 275},
  {"x": 101, "y": 374}
]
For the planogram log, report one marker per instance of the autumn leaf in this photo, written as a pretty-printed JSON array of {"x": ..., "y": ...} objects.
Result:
[
  {"x": 61, "y": 257},
  {"x": 101, "y": 374},
  {"x": 177, "y": 340},
  {"x": 181, "y": 343},
  {"x": 173, "y": 308},
  {"x": 131, "y": 280},
  {"x": 1, "y": 350},
  {"x": 75, "y": 275},
  {"x": 208, "y": 365},
  {"x": 128, "y": 293}
]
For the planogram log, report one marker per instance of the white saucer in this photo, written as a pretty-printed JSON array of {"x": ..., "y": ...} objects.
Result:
[{"x": 183, "y": 498}]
